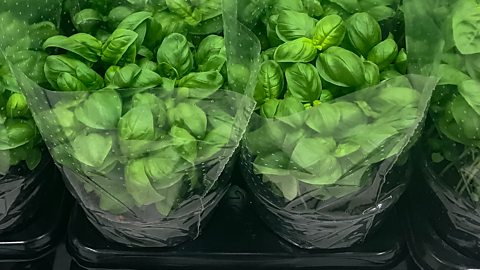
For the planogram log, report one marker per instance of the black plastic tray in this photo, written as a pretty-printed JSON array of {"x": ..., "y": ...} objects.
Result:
[
  {"x": 427, "y": 248},
  {"x": 32, "y": 245},
  {"x": 235, "y": 238}
]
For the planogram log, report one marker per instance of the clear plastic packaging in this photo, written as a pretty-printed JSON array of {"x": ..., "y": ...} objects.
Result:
[
  {"x": 24, "y": 162},
  {"x": 140, "y": 117},
  {"x": 445, "y": 38},
  {"x": 326, "y": 155}
]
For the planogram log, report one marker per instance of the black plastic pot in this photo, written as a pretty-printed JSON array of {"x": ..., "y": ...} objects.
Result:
[
  {"x": 428, "y": 247},
  {"x": 21, "y": 192},
  {"x": 234, "y": 239},
  {"x": 32, "y": 246}
]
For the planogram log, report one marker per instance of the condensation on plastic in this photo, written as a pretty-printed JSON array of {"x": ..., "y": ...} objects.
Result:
[
  {"x": 21, "y": 189},
  {"x": 341, "y": 209},
  {"x": 156, "y": 216},
  {"x": 455, "y": 180}
]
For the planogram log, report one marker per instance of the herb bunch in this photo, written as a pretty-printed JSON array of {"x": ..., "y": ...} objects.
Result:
[
  {"x": 333, "y": 97},
  {"x": 141, "y": 116},
  {"x": 21, "y": 44}
]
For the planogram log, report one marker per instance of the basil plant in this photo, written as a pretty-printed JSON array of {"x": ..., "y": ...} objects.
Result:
[
  {"x": 136, "y": 116},
  {"x": 336, "y": 114},
  {"x": 20, "y": 45},
  {"x": 453, "y": 139}
]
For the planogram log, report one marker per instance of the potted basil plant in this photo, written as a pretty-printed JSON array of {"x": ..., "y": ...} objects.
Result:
[
  {"x": 24, "y": 162},
  {"x": 450, "y": 144},
  {"x": 335, "y": 118},
  {"x": 136, "y": 116}
]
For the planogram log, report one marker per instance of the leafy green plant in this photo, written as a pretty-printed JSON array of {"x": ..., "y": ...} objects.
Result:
[
  {"x": 454, "y": 141},
  {"x": 331, "y": 96},
  {"x": 137, "y": 103},
  {"x": 20, "y": 43}
]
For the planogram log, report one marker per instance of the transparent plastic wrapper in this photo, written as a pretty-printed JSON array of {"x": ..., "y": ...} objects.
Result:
[
  {"x": 140, "y": 117},
  {"x": 450, "y": 50},
  {"x": 326, "y": 154},
  {"x": 24, "y": 161}
]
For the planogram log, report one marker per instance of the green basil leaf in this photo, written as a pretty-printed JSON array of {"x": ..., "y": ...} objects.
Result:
[
  {"x": 272, "y": 164},
  {"x": 161, "y": 170},
  {"x": 329, "y": 31},
  {"x": 351, "y": 116},
  {"x": 381, "y": 13},
  {"x": 313, "y": 7},
  {"x": 351, "y": 6},
  {"x": 292, "y": 25},
  {"x": 449, "y": 75},
  {"x": 34, "y": 158},
  {"x": 117, "y": 15},
  {"x": 470, "y": 90},
  {"x": 58, "y": 64},
  {"x": 16, "y": 106},
  {"x": 264, "y": 140},
  {"x": 87, "y": 20},
  {"x": 15, "y": 133},
  {"x": 303, "y": 82},
  {"x": 467, "y": 118},
  {"x": 171, "y": 23},
  {"x": 363, "y": 32},
  {"x": 134, "y": 77},
  {"x": 301, "y": 50},
  {"x": 101, "y": 110},
  {"x": 186, "y": 143},
  {"x": 293, "y": 5},
  {"x": 401, "y": 63},
  {"x": 137, "y": 22},
  {"x": 215, "y": 141},
  {"x": 287, "y": 184},
  {"x": 466, "y": 18},
  {"x": 372, "y": 73},
  {"x": 145, "y": 52},
  {"x": 154, "y": 103},
  {"x": 390, "y": 99},
  {"x": 289, "y": 111},
  {"x": 305, "y": 157},
  {"x": 67, "y": 82},
  {"x": 384, "y": 53},
  {"x": 147, "y": 64},
  {"x": 472, "y": 64},
  {"x": 39, "y": 32},
  {"x": 175, "y": 52},
  {"x": 200, "y": 84},
  {"x": 92, "y": 149},
  {"x": 324, "y": 119},
  {"x": 138, "y": 184},
  {"x": 341, "y": 67},
  {"x": 269, "y": 108},
  {"x": 137, "y": 124},
  {"x": 117, "y": 45},
  {"x": 192, "y": 118},
  {"x": 389, "y": 74},
  {"x": 211, "y": 53},
  {"x": 110, "y": 74},
  {"x": 208, "y": 9},
  {"x": 270, "y": 82},
  {"x": 183, "y": 9},
  {"x": 154, "y": 34},
  {"x": 377, "y": 141}
]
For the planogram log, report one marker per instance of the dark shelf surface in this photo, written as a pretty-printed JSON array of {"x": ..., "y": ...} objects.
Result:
[{"x": 235, "y": 238}]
